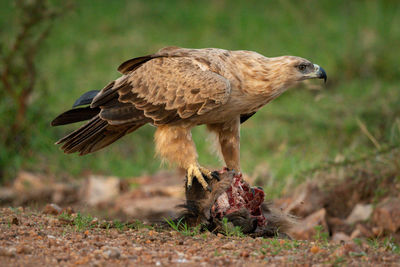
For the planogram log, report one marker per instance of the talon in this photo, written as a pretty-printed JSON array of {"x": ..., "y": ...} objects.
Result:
[
  {"x": 215, "y": 175},
  {"x": 200, "y": 173}
]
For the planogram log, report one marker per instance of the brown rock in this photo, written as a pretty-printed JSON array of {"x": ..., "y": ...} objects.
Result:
[
  {"x": 307, "y": 200},
  {"x": 340, "y": 237},
  {"x": 8, "y": 251},
  {"x": 360, "y": 212},
  {"x": 152, "y": 208},
  {"x": 387, "y": 214},
  {"x": 229, "y": 246},
  {"x": 361, "y": 231},
  {"x": 99, "y": 190},
  {"x": 7, "y": 195},
  {"x": 26, "y": 181},
  {"x": 245, "y": 254},
  {"x": 314, "y": 249},
  {"x": 338, "y": 225},
  {"x": 24, "y": 249},
  {"x": 347, "y": 248},
  {"x": 52, "y": 209},
  {"x": 365, "y": 231},
  {"x": 30, "y": 187},
  {"x": 305, "y": 230},
  {"x": 111, "y": 252},
  {"x": 15, "y": 221},
  {"x": 355, "y": 234},
  {"x": 65, "y": 193}
]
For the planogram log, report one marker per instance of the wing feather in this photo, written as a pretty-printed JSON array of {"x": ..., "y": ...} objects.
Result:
[{"x": 175, "y": 85}]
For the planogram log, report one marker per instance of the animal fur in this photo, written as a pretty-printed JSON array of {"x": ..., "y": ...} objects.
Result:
[{"x": 197, "y": 211}]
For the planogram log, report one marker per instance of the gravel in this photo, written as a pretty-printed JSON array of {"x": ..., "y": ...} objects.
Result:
[{"x": 33, "y": 241}]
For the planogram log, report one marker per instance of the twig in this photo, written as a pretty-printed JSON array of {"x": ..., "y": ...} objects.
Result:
[{"x": 364, "y": 129}]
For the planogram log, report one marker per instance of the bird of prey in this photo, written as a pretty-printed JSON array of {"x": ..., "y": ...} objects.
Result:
[{"x": 176, "y": 89}]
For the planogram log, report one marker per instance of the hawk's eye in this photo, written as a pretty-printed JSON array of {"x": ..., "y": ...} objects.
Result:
[{"x": 302, "y": 67}]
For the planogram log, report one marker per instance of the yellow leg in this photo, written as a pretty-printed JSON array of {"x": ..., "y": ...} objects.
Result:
[{"x": 175, "y": 144}]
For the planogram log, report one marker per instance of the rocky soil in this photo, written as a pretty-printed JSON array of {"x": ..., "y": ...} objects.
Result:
[
  {"x": 347, "y": 215},
  {"x": 29, "y": 237}
]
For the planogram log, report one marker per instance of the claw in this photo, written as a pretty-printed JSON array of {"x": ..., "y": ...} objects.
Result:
[
  {"x": 215, "y": 175},
  {"x": 198, "y": 172}
]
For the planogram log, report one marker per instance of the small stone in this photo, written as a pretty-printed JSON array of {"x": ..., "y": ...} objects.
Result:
[
  {"x": 360, "y": 212},
  {"x": 8, "y": 252},
  {"x": 51, "y": 243},
  {"x": 340, "y": 237},
  {"x": 15, "y": 221},
  {"x": 97, "y": 254},
  {"x": 24, "y": 249},
  {"x": 314, "y": 249},
  {"x": 111, "y": 253},
  {"x": 244, "y": 254},
  {"x": 52, "y": 209},
  {"x": 229, "y": 246}
]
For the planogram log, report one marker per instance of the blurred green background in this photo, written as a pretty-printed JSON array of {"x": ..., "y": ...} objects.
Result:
[{"x": 357, "y": 43}]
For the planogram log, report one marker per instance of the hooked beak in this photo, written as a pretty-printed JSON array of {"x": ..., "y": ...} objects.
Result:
[{"x": 319, "y": 73}]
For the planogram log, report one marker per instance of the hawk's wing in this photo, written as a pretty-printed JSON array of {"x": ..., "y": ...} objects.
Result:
[{"x": 165, "y": 89}]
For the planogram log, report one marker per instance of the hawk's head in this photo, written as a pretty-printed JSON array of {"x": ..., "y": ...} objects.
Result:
[
  {"x": 296, "y": 68},
  {"x": 271, "y": 76}
]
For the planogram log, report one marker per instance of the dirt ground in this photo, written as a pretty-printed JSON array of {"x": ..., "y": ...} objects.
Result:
[{"x": 30, "y": 237}]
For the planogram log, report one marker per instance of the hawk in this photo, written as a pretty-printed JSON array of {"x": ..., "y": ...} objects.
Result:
[{"x": 176, "y": 89}]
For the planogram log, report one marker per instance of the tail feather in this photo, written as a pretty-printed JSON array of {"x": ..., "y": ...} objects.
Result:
[
  {"x": 98, "y": 132},
  {"x": 94, "y": 135},
  {"x": 75, "y": 115},
  {"x": 91, "y": 129}
]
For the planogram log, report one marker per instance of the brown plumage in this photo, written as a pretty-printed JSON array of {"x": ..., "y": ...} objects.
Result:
[{"x": 176, "y": 89}]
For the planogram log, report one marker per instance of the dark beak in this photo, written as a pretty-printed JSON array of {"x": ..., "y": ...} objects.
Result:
[{"x": 322, "y": 74}]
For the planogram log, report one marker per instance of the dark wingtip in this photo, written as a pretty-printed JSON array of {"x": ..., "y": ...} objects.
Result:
[
  {"x": 75, "y": 115},
  {"x": 86, "y": 98}
]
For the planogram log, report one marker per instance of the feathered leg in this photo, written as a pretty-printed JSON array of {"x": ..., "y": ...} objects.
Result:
[
  {"x": 229, "y": 139},
  {"x": 175, "y": 144}
]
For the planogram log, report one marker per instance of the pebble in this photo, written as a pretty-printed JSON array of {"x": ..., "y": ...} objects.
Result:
[
  {"x": 24, "y": 249},
  {"x": 314, "y": 249},
  {"x": 8, "y": 252},
  {"x": 52, "y": 209},
  {"x": 15, "y": 221},
  {"x": 229, "y": 246},
  {"x": 111, "y": 253},
  {"x": 244, "y": 254}
]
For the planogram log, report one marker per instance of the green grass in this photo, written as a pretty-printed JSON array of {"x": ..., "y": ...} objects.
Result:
[
  {"x": 182, "y": 227},
  {"x": 80, "y": 222},
  {"x": 230, "y": 230},
  {"x": 354, "y": 41}
]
